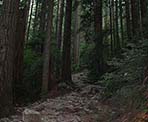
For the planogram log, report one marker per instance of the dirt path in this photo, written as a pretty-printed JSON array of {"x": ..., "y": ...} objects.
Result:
[{"x": 78, "y": 106}]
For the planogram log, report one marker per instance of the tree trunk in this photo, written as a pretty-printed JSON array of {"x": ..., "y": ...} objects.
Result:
[
  {"x": 99, "y": 61},
  {"x": 35, "y": 23},
  {"x": 76, "y": 38},
  {"x": 43, "y": 21},
  {"x": 47, "y": 52},
  {"x": 19, "y": 50},
  {"x": 118, "y": 47},
  {"x": 57, "y": 15},
  {"x": 114, "y": 24},
  {"x": 135, "y": 17},
  {"x": 28, "y": 2},
  {"x": 66, "y": 62},
  {"x": 29, "y": 22},
  {"x": 121, "y": 23},
  {"x": 143, "y": 6},
  {"x": 128, "y": 20},
  {"x": 111, "y": 27},
  {"x": 7, "y": 40},
  {"x": 60, "y": 23}
]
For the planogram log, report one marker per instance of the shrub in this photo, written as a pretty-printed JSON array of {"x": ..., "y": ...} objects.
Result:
[{"x": 29, "y": 88}]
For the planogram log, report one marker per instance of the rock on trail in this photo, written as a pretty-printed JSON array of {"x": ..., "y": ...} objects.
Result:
[{"x": 77, "y": 106}]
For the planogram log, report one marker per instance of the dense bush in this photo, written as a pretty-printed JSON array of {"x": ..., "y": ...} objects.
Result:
[
  {"x": 129, "y": 70},
  {"x": 86, "y": 50},
  {"x": 29, "y": 88}
]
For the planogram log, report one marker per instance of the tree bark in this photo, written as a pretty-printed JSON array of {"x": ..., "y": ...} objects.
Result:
[
  {"x": 19, "y": 50},
  {"x": 43, "y": 21},
  {"x": 135, "y": 18},
  {"x": 7, "y": 40},
  {"x": 76, "y": 38},
  {"x": 29, "y": 22},
  {"x": 47, "y": 52},
  {"x": 121, "y": 23},
  {"x": 35, "y": 23},
  {"x": 143, "y": 6},
  {"x": 57, "y": 15},
  {"x": 111, "y": 28},
  {"x": 128, "y": 20},
  {"x": 114, "y": 24},
  {"x": 66, "y": 62},
  {"x": 118, "y": 46},
  {"x": 60, "y": 23},
  {"x": 99, "y": 61}
]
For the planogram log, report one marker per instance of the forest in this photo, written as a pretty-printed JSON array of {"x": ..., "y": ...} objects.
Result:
[{"x": 73, "y": 60}]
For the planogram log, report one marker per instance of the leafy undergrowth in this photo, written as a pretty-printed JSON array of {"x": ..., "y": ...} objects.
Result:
[{"x": 124, "y": 87}]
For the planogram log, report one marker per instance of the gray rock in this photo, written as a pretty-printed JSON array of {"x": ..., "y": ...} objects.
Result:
[{"x": 31, "y": 116}]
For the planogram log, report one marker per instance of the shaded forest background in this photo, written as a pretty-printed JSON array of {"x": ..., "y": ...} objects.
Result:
[{"x": 43, "y": 42}]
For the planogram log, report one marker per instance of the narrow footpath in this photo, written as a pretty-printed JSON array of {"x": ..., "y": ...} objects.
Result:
[{"x": 81, "y": 105}]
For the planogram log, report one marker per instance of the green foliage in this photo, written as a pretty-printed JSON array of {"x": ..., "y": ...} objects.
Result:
[
  {"x": 123, "y": 85},
  {"x": 87, "y": 19},
  {"x": 130, "y": 97},
  {"x": 31, "y": 85},
  {"x": 86, "y": 50},
  {"x": 29, "y": 57},
  {"x": 36, "y": 41},
  {"x": 23, "y": 3},
  {"x": 76, "y": 68},
  {"x": 129, "y": 70}
]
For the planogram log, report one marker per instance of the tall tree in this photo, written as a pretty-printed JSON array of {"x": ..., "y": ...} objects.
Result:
[
  {"x": 143, "y": 6},
  {"x": 99, "y": 61},
  {"x": 66, "y": 56},
  {"x": 117, "y": 48},
  {"x": 59, "y": 34},
  {"x": 114, "y": 25},
  {"x": 111, "y": 26},
  {"x": 43, "y": 21},
  {"x": 47, "y": 52},
  {"x": 76, "y": 38},
  {"x": 121, "y": 22},
  {"x": 30, "y": 19},
  {"x": 7, "y": 40},
  {"x": 57, "y": 15},
  {"x": 135, "y": 17},
  {"x": 19, "y": 50},
  {"x": 128, "y": 20},
  {"x": 60, "y": 22},
  {"x": 36, "y": 13}
]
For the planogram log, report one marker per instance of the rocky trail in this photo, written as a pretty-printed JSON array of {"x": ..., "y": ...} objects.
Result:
[{"x": 82, "y": 105}]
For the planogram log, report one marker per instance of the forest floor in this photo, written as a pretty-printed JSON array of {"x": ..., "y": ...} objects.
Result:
[{"x": 81, "y": 105}]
